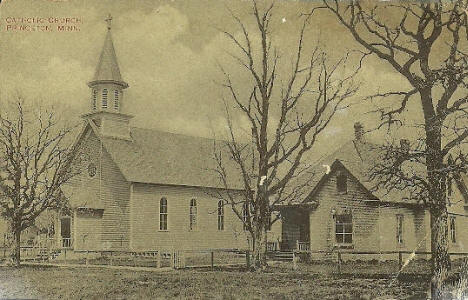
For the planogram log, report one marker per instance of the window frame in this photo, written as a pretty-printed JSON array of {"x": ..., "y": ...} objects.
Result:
[
  {"x": 399, "y": 229},
  {"x": 245, "y": 215},
  {"x": 163, "y": 214},
  {"x": 116, "y": 99},
  {"x": 193, "y": 212},
  {"x": 453, "y": 229},
  {"x": 343, "y": 233},
  {"x": 104, "y": 98},
  {"x": 220, "y": 215},
  {"x": 342, "y": 183},
  {"x": 95, "y": 93}
]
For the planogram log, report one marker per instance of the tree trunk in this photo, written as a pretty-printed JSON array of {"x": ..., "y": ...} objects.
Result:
[
  {"x": 259, "y": 249},
  {"x": 16, "y": 251},
  {"x": 439, "y": 247}
]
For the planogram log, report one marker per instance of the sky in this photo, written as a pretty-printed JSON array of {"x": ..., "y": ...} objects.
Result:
[{"x": 169, "y": 52}]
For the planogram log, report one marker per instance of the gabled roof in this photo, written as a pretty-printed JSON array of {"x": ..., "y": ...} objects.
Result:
[
  {"x": 357, "y": 157},
  {"x": 158, "y": 157},
  {"x": 107, "y": 69},
  {"x": 461, "y": 181}
]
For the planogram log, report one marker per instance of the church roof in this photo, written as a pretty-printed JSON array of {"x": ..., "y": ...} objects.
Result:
[
  {"x": 158, "y": 157},
  {"x": 107, "y": 69}
]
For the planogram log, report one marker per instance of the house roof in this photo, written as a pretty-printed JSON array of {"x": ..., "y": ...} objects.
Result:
[
  {"x": 158, "y": 157},
  {"x": 357, "y": 157}
]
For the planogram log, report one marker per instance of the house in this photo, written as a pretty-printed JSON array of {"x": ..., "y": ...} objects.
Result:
[
  {"x": 343, "y": 210},
  {"x": 142, "y": 189}
]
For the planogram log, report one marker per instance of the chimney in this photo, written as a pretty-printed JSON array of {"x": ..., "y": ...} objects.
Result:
[
  {"x": 404, "y": 145},
  {"x": 358, "y": 131}
]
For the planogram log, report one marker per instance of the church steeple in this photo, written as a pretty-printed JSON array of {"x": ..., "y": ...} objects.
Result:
[{"x": 107, "y": 88}]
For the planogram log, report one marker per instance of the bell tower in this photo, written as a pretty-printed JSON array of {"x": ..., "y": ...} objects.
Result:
[{"x": 107, "y": 93}]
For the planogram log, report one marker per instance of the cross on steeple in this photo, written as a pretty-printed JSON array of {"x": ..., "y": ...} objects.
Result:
[{"x": 109, "y": 20}]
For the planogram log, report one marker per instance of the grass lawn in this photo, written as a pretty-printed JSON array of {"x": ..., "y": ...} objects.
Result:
[{"x": 278, "y": 282}]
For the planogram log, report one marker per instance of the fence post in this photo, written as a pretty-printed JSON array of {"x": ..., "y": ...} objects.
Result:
[
  {"x": 339, "y": 262},
  {"x": 134, "y": 259},
  {"x": 212, "y": 260},
  {"x": 87, "y": 252},
  {"x": 400, "y": 261},
  {"x": 294, "y": 261},
  {"x": 158, "y": 260},
  {"x": 297, "y": 245},
  {"x": 65, "y": 254},
  {"x": 247, "y": 257}
]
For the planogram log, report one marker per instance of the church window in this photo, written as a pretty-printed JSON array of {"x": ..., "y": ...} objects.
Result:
[
  {"x": 163, "y": 214},
  {"x": 245, "y": 215},
  {"x": 344, "y": 229},
  {"x": 193, "y": 214},
  {"x": 94, "y": 99},
  {"x": 341, "y": 183},
  {"x": 104, "y": 98},
  {"x": 453, "y": 232},
  {"x": 116, "y": 99},
  {"x": 220, "y": 215},
  {"x": 399, "y": 236}
]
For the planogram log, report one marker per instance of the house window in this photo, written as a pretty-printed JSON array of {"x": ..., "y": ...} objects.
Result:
[
  {"x": 245, "y": 215},
  {"x": 104, "y": 98},
  {"x": 399, "y": 229},
  {"x": 341, "y": 183},
  {"x": 220, "y": 215},
  {"x": 193, "y": 214},
  {"x": 94, "y": 99},
  {"x": 116, "y": 99},
  {"x": 163, "y": 214},
  {"x": 453, "y": 230},
  {"x": 344, "y": 229}
]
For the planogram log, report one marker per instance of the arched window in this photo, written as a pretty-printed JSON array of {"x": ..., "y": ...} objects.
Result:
[
  {"x": 193, "y": 214},
  {"x": 245, "y": 215},
  {"x": 341, "y": 183},
  {"x": 163, "y": 214},
  {"x": 220, "y": 215},
  {"x": 104, "y": 98},
  {"x": 94, "y": 99},
  {"x": 116, "y": 99}
]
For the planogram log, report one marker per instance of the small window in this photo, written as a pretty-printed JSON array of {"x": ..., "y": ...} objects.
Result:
[
  {"x": 453, "y": 229},
  {"x": 344, "y": 229},
  {"x": 116, "y": 99},
  {"x": 245, "y": 215},
  {"x": 399, "y": 229},
  {"x": 104, "y": 98},
  {"x": 341, "y": 183},
  {"x": 94, "y": 99},
  {"x": 220, "y": 215},
  {"x": 163, "y": 214},
  {"x": 193, "y": 214}
]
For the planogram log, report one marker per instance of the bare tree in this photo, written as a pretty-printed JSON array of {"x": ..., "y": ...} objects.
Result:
[
  {"x": 35, "y": 162},
  {"x": 285, "y": 113},
  {"x": 425, "y": 43}
]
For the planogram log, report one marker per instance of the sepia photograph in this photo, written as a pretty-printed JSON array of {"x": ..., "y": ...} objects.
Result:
[{"x": 234, "y": 149}]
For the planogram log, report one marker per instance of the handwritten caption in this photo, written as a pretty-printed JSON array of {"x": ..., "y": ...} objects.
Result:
[{"x": 42, "y": 24}]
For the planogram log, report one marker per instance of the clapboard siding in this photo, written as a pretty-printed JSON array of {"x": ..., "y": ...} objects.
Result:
[
  {"x": 115, "y": 195},
  {"x": 374, "y": 224},
  {"x": 145, "y": 220},
  {"x": 107, "y": 190}
]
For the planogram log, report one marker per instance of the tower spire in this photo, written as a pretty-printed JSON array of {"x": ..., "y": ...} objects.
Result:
[{"x": 107, "y": 95}]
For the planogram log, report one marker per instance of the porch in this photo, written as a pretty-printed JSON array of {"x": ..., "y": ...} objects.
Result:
[{"x": 295, "y": 231}]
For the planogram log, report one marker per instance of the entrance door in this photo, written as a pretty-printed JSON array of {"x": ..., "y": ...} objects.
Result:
[{"x": 65, "y": 232}]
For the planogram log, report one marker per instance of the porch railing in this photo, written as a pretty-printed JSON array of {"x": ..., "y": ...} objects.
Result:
[
  {"x": 66, "y": 242},
  {"x": 302, "y": 246},
  {"x": 273, "y": 246}
]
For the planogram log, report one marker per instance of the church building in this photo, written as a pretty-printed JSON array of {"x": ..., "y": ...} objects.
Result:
[{"x": 142, "y": 189}]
